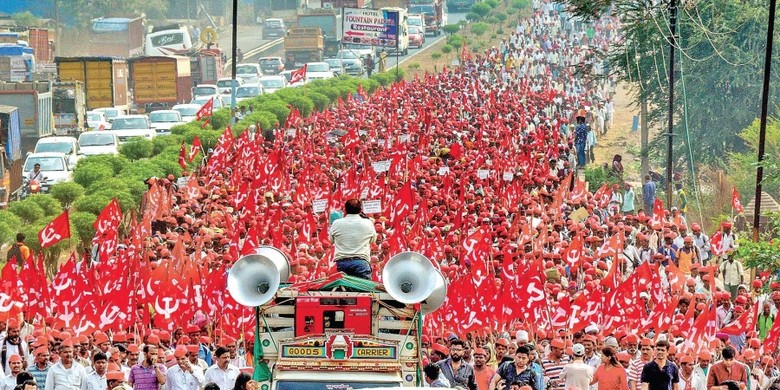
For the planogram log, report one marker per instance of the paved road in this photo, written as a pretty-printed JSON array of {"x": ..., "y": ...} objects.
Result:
[{"x": 250, "y": 37}]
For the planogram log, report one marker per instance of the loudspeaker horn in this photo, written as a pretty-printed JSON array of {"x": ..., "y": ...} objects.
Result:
[
  {"x": 409, "y": 278},
  {"x": 437, "y": 297},
  {"x": 253, "y": 280},
  {"x": 278, "y": 258}
]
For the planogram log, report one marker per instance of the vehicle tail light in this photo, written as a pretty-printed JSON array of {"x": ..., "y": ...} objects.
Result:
[{"x": 34, "y": 186}]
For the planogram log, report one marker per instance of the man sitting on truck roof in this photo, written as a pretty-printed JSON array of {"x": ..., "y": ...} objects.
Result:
[{"x": 352, "y": 237}]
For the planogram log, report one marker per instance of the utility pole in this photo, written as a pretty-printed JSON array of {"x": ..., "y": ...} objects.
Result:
[
  {"x": 644, "y": 130},
  {"x": 57, "y": 38},
  {"x": 670, "y": 134},
  {"x": 233, "y": 65},
  {"x": 770, "y": 32}
]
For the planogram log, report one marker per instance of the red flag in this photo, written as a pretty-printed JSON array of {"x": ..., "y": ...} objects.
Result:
[
  {"x": 573, "y": 253},
  {"x": 770, "y": 342},
  {"x": 57, "y": 230},
  {"x": 658, "y": 211},
  {"x": 196, "y": 146},
  {"x": 183, "y": 156},
  {"x": 298, "y": 75},
  {"x": 716, "y": 243},
  {"x": 746, "y": 322},
  {"x": 402, "y": 204},
  {"x": 735, "y": 202},
  {"x": 206, "y": 110},
  {"x": 579, "y": 191}
]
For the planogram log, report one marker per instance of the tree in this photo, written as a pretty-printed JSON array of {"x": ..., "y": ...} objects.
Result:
[
  {"x": 137, "y": 148},
  {"x": 90, "y": 174},
  {"x": 479, "y": 29},
  {"x": 83, "y": 11},
  {"x": 480, "y": 9},
  {"x": 27, "y": 211},
  {"x": 451, "y": 28},
  {"x": 66, "y": 192},
  {"x": 25, "y": 19}
]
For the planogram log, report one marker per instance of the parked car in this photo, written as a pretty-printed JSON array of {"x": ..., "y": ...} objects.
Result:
[
  {"x": 205, "y": 90},
  {"x": 271, "y": 65},
  {"x": 188, "y": 111},
  {"x": 318, "y": 71},
  {"x": 54, "y": 166},
  {"x": 219, "y": 102},
  {"x": 335, "y": 66},
  {"x": 111, "y": 112},
  {"x": 272, "y": 84},
  {"x": 94, "y": 143},
  {"x": 416, "y": 36},
  {"x": 248, "y": 91},
  {"x": 69, "y": 146},
  {"x": 129, "y": 126},
  {"x": 353, "y": 66},
  {"x": 163, "y": 120},
  {"x": 97, "y": 120},
  {"x": 248, "y": 73},
  {"x": 274, "y": 28}
]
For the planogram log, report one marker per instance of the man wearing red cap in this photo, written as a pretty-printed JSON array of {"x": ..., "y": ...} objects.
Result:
[
  {"x": 688, "y": 381},
  {"x": 554, "y": 363},
  {"x": 12, "y": 345},
  {"x": 40, "y": 366},
  {"x": 184, "y": 376},
  {"x": 637, "y": 365},
  {"x": 192, "y": 356},
  {"x": 482, "y": 372},
  {"x": 733, "y": 274},
  {"x": 702, "y": 368},
  {"x": 66, "y": 374},
  {"x": 9, "y": 381},
  {"x": 96, "y": 380}
]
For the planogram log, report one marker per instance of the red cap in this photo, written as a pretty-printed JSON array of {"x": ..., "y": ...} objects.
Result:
[
  {"x": 558, "y": 343},
  {"x": 646, "y": 342},
  {"x": 623, "y": 357},
  {"x": 441, "y": 349},
  {"x": 133, "y": 348},
  {"x": 14, "y": 359},
  {"x": 632, "y": 338},
  {"x": 115, "y": 376},
  {"x": 153, "y": 339},
  {"x": 503, "y": 342},
  {"x": 181, "y": 351},
  {"x": 480, "y": 351},
  {"x": 193, "y": 348},
  {"x": 686, "y": 359},
  {"x": 100, "y": 338}
]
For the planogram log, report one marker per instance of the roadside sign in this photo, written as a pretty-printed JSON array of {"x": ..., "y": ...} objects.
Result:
[{"x": 370, "y": 27}]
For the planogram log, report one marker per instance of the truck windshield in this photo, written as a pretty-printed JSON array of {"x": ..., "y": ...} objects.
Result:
[
  {"x": 203, "y": 91},
  {"x": 129, "y": 123},
  {"x": 421, "y": 9},
  {"x": 293, "y": 385},
  {"x": 59, "y": 147},
  {"x": 47, "y": 163},
  {"x": 96, "y": 139}
]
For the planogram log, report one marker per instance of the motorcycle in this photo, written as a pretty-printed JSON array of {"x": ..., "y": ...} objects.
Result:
[{"x": 33, "y": 187}]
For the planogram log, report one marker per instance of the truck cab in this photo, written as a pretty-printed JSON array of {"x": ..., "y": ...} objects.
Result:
[{"x": 274, "y": 28}]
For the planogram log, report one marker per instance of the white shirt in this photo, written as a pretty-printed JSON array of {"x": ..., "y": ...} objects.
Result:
[
  {"x": 225, "y": 379},
  {"x": 577, "y": 374},
  {"x": 352, "y": 236},
  {"x": 238, "y": 361},
  {"x": 61, "y": 378},
  {"x": 93, "y": 381},
  {"x": 8, "y": 382},
  {"x": 177, "y": 379}
]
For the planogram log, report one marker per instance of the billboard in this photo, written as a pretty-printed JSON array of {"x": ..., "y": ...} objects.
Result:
[{"x": 370, "y": 27}]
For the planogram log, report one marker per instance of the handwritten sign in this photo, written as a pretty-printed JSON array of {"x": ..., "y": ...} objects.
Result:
[
  {"x": 291, "y": 132},
  {"x": 403, "y": 138},
  {"x": 482, "y": 173},
  {"x": 508, "y": 176},
  {"x": 364, "y": 193},
  {"x": 444, "y": 170},
  {"x": 381, "y": 166},
  {"x": 319, "y": 205},
  {"x": 372, "y": 206}
]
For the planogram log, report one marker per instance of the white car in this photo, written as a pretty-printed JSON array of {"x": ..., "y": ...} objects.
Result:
[
  {"x": 248, "y": 91},
  {"x": 249, "y": 73},
  {"x": 69, "y": 146},
  {"x": 225, "y": 85},
  {"x": 97, "y": 120},
  {"x": 111, "y": 112},
  {"x": 163, "y": 120},
  {"x": 272, "y": 84},
  {"x": 93, "y": 143},
  {"x": 54, "y": 166},
  {"x": 188, "y": 111},
  {"x": 205, "y": 90},
  {"x": 219, "y": 102},
  {"x": 359, "y": 50},
  {"x": 318, "y": 71},
  {"x": 130, "y": 126}
]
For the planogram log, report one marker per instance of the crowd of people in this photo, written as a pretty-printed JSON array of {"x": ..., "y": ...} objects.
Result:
[{"x": 550, "y": 286}]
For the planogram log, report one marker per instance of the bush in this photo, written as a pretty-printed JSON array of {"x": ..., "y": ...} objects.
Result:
[
  {"x": 113, "y": 184},
  {"x": 208, "y": 138},
  {"x": 126, "y": 201},
  {"x": 116, "y": 163},
  {"x": 480, "y": 9},
  {"x": 83, "y": 229},
  {"x": 220, "y": 119},
  {"x": 303, "y": 104},
  {"x": 491, "y": 3},
  {"x": 520, "y": 4},
  {"x": 92, "y": 203},
  {"x": 137, "y": 148},
  {"x": 279, "y": 109},
  {"x": 456, "y": 40},
  {"x": 162, "y": 142},
  {"x": 479, "y": 29},
  {"x": 30, "y": 232},
  {"x": 369, "y": 85},
  {"x": 85, "y": 176},
  {"x": 436, "y": 56},
  {"x": 167, "y": 166},
  {"x": 597, "y": 176},
  {"x": 141, "y": 171},
  {"x": 9, "y": 224},
  {"x": 446, "y": 49},
  {"x": 472, "y": 16},
  {"x": 66, "y": 192},
  {"x": 502, "y": 17},
  {"x": 50, "y": 206},
  {"x": 27, "y": 211},
  {"x": 320, "y": 101},
  {"x": 451, "y": 28}
]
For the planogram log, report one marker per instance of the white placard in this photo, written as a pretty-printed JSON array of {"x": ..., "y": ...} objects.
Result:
[
  {"x": 372, "y": 206},
  {"x": 291, "y": 133},
  {"x": 381, "y": 166},
  {"x": 362, "y": 132},
  {"x": 482, "y": 173},
  {"x": 508, "y": 175},
  {"x": 403, "y": 138},
  {"x": 364, "y": 193},
  {"x": 444, "y": 171},
  {"x": 319, "y": 205},
  {"x": 182, "y": 181}
]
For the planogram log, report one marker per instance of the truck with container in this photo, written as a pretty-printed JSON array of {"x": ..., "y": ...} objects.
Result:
[
  {"x": 337, "y": 332},
  {"x": 302, "y": 45},
  {"x": 17, "y": 62},
  {"x": 105, "y": 79},
  {"x": 117, "y": 37},
  {"x": 34, "y": 103},
  {"x": 206, "y": 66},
  {"x": 11, "y": 154},
  {"x": 329, "y": 23},
  {"x": 434, "y": 12},
  {"x": 69, "y": 105},
  {"x": 160, "y": 82}
]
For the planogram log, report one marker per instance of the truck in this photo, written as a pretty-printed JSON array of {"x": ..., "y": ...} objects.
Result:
[
  {"x": 39, "y": 40},
  {"x": 17, "y": 62},
  {"x": 160, "y": 82},
  {"x": 329, "y": 23},
  {"x": 434, "y": 12},
  {"x": 34, "y": 103},
  {"x": 117, "y": 37},
  {"x": 402, "y": 44},
  {"x": 105, "y": 79},
  {"x": 69, "y": 106},
  {"x": 302, "y": 45},
  {"x": 12, "y": 159},
  {"x": 168, "y": 40},
  {"x": 206, "y": 66}
]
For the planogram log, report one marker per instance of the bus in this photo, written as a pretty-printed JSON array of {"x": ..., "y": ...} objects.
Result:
[{"x": 168, "y": 41}]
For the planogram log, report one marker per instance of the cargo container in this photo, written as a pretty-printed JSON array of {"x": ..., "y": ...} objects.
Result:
[
  {"x": 34, "y": 102},
  {"x": 70, "y": 107},
  {"x": 206, "y": 67},
  {"x": 117, "y": 37},
  {"x": 160, "y": 82},
  {"x": 329, "y": 23},
  {"x": 302, "y": 45},
  {"x": 38, "y": 40},
  {"x": 104, "y": 78},
  {"x": 17, "y": 63},
  {"x": 11, "y": 164}
]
